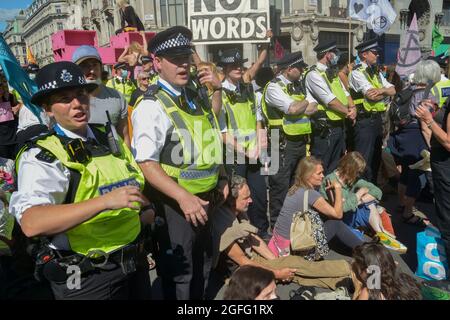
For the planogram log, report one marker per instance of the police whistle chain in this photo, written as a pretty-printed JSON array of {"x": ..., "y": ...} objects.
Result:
[{"x": 112, "y": 137}]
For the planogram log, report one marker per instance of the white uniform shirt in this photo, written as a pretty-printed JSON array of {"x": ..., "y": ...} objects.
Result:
[
  {"x": 42, "y": 183},
  {"x": 276, "y": 97},
  {"x": 150, "y": 126},
  {"x": 359, "y": 82},
  {"x": 317, "y": 86},
  {"x": 443, "y": 77}
]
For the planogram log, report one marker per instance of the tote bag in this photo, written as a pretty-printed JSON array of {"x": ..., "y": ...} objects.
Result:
[{"x": 302, "y": 236}]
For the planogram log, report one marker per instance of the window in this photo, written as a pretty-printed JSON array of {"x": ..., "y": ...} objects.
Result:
[
  {"x": 335, "y": 3},
  {"x": 173, "y": 12},
  {"x": 283, "y": 5},
  {"x": 60, "y": 26},
  {"x": 58, "y": 9},
  {"x": 24, "y": 50}
]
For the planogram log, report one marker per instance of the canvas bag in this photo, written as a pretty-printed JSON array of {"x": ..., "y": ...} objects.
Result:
[{"x": 302, "y": 233}]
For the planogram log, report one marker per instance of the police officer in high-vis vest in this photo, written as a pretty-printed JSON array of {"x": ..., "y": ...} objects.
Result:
[
  {"x": 286, "y": 108},
  {"x": 335, "y": 105},
  {"x": 80, "y": 191},
  {"x": 177, "y": 143},
  {"x": 240, "y": 121},
  {"x": 369, "y": 90},
  {"x": 441, "y": 90},
  {"x": 121, "y": 82}
]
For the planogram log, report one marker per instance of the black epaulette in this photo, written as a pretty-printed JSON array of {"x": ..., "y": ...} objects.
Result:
[
  {"x": 357, "y": 66},
  {"x": 151, "y": 91},
  {"x": 46, "y": 156}
]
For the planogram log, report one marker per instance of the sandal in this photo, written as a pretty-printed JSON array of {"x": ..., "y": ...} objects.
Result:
[{"x": 415, "y": 221}]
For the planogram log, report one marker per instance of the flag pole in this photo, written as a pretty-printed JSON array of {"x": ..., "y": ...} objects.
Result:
[{"x": 349, "y": 37}]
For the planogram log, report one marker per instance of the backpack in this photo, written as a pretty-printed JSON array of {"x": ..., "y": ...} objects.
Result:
[{"x": 399, "y": 109}]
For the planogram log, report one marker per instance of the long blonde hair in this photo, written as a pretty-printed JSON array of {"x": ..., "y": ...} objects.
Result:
[{"x": 305, "y": 168}]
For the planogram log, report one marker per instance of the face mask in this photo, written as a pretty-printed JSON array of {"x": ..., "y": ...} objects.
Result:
[
  {"x": 334, "y": 60},
  {"x": 32, "y": 76},
  {"x": 384, "y": 74},
  {"x": 124, "y": 74}
]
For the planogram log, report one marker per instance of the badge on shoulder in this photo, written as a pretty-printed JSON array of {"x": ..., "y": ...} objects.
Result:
[{"x": 46, "y": 156}]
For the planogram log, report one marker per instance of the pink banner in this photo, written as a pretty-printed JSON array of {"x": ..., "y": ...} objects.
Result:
[{"x": 6, "y": 113}]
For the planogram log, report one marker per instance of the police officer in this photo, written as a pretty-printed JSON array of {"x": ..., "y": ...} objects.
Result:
[
  {"x": 121, "y": 82},
  {"x": 78, "y": 192},
  {"x": 147, "y": 66},
  {"x": 441, "y": 90},
  {"x": 369, "y": 90},
  {"x": 286, "y": 107},
  {"x": 241, "y": 121},
  {"x": 177, "y": 143},
  {"x": 322, "y": 81}
]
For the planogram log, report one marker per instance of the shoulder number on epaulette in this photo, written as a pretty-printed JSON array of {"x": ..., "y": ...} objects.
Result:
[{"x": 46, "y": 156}]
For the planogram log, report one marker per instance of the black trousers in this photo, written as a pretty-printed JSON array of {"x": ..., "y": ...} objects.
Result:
[
  {"x": 291, "y": 152},
  {"x": 441, "y": 185},
  {"x": 257, "y": 211},
  {"x": 328, "y": 148},
  {"x": 109, "y": 283},
  {"x": 183, "y": 258},
  {"x": 368, "y": 142}
]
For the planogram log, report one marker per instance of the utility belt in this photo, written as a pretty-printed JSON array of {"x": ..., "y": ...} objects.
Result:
[
  {"x": 324, "y": 126},
  {"x": 58, "y": 265},
  {"x": 362, "y": 113}
]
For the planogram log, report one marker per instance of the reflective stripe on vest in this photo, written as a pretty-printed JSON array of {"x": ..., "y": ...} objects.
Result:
[
  {"x": 442, "y": 91},
  {"x": 199, "y": 169},
  {"x": 291, "y": 125},
  {"x": 109, "y": 230},
  {"x": 369, "y": 106},
  {"x": 337, "y": 89}
]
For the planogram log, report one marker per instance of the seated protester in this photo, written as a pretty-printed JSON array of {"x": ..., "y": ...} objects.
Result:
[
  {"x": 407, "y": 142},
  {"x": 79, "y": 197},
  {"x": 360, "y": 196},
  {"x": 251, "y": 283},
  {"x": 236, "y": 243},
  {"x": 393, "y": 284},
  {"x": 309, "y": 177}
]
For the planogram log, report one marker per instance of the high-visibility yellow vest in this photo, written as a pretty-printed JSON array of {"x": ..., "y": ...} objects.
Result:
[
  {"x": 441, "y": 91},
  {"x": 291, "y": 125},
  {"x": 359, "y": 99},
  {"x": 110, "y": 229}
]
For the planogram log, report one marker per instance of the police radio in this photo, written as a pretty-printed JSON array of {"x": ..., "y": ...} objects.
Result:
[
  {"x": 112, "y": 136},
  {"x": 202, "y": 90}
]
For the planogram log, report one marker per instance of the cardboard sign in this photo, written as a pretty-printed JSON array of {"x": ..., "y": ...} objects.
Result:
[{"x": 228, "y": 21}]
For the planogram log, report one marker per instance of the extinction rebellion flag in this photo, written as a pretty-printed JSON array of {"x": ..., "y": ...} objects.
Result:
[{"x": 224, "y": 21}]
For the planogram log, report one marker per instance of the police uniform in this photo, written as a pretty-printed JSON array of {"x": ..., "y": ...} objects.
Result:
[
  {"x": 238, "y": 117},
  {"x": 441, "y": 90},
  {"x": 125, "y": 86},
  {"x": 162, "y": 122},
  {"x": 368, "y": 138},
  {"x": 327, "y": 138},
  {"x": 57, "y": 168},
  {"x": 294, "y": 131}
]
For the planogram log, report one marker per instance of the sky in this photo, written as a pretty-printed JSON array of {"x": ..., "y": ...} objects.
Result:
[{"x": 9, "y": 9}]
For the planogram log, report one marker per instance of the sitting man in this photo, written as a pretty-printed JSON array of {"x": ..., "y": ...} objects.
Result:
[{"x": 236, "y": 243}]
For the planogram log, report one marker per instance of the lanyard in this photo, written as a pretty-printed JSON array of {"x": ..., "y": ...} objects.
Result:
[
  {"x": 59, "y": 131},
  {"x": 171, "y": 93}
]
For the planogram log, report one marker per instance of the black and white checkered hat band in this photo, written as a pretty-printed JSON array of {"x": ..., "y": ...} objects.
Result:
[
  {"x": 179, "y": 41},
  {"x": 49, "y": 85},
  {"x": 228, "y": 60},
  {"x": 327, "y": 49},
  {"x": 295, "y": 62}
]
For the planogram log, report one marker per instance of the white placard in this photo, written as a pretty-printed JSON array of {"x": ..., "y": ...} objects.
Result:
[{"x": 225, "y": 21}]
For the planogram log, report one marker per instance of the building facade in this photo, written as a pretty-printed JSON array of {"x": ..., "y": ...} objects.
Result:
[
  {"x": 299, "y": 24},
  {"x": 13, "y": 37},
  {"x": 42, "y": 19}
]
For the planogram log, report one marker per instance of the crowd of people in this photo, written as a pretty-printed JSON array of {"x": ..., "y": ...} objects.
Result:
[{"x": 204, "y": 167}]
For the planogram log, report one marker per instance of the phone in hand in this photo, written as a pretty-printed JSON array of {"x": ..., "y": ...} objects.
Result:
[{"x": 330, "y": 191}]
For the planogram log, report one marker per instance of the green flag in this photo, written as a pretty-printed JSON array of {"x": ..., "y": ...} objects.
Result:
[{"x": 437, "y": 38}]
